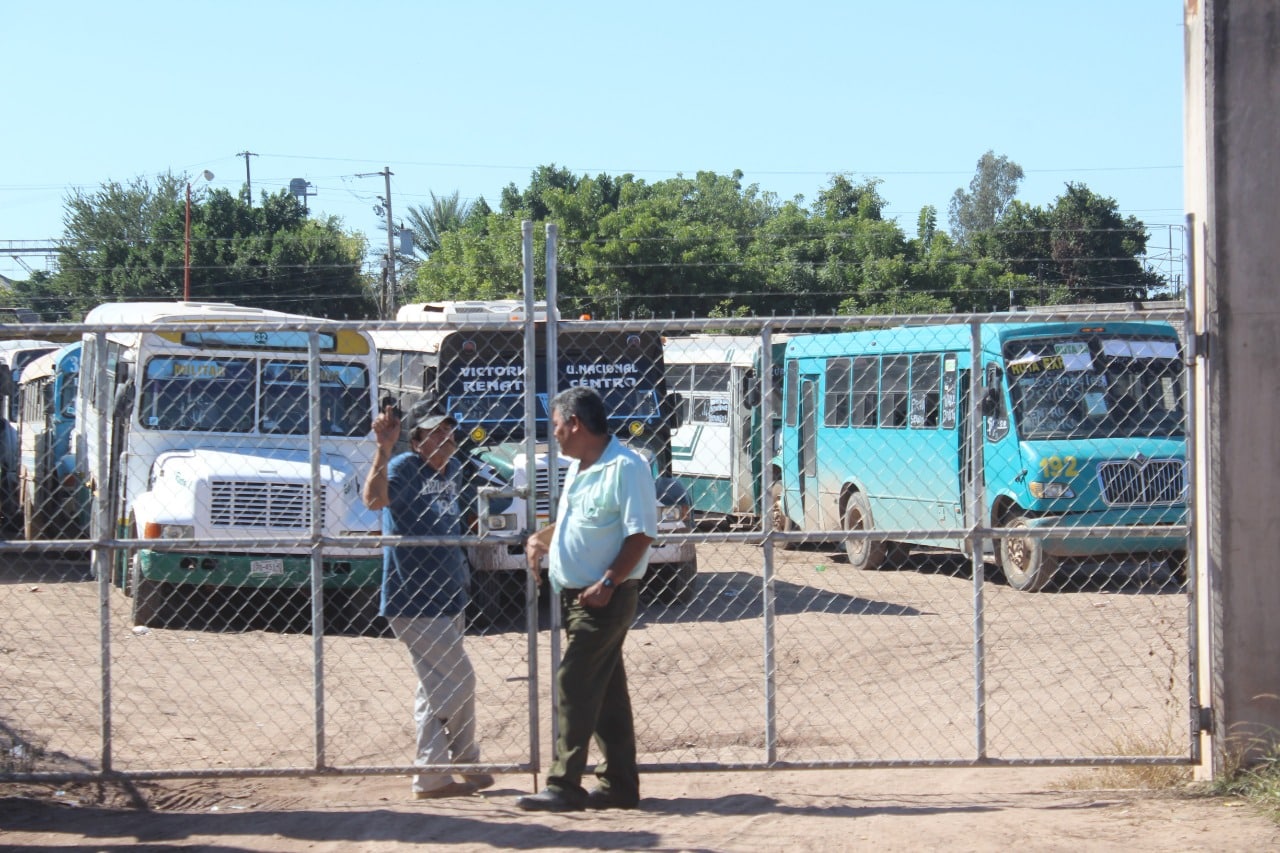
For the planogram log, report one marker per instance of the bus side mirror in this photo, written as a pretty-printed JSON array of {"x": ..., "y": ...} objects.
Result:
[
  {"x": 6, "y": 381},
  {"x": 673, "y": 410},
  {"x": 991, "y": 403},
  {"x": 751, "y": 394}
]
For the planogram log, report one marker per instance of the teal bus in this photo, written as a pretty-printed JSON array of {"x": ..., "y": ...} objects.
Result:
[
  {"x": 1082, "y": 425},
  {"x": 55, "y": 502}
]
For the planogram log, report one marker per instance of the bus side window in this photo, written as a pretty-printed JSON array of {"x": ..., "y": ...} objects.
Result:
[
  {"x": 893, "y": 390},
  {"x": 866, "y": 390},
  {"x": 926, "y": 376},
  {"x": 839, "y": 394}
]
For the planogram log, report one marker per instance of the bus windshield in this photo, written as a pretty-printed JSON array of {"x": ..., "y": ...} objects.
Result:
[
  {"x": 214, "y": 394},
  {"x": 1081, "y": 386}
]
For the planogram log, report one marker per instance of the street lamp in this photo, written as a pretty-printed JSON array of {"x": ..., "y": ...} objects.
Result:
[{"x": 186, "y": 246}]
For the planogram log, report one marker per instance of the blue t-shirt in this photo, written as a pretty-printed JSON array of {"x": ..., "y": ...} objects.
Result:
[
  {"x": 599, "y": 508},
  {"x": 423, "y": 580}
]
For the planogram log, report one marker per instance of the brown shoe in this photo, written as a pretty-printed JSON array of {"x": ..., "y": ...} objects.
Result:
[{"x": 449, "y": 789}]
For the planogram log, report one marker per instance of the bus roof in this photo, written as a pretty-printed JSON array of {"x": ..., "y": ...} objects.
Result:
[
  {"x": 471, "y": 309},
  {"x": 954, "y": 337},
  {"x": 9, "y": 348},
  {"x": 711, "y": 349},
  {"x": 159, "y": 312},
  {"x": 45, "y": 365},
  {"x": 348, "y": 341}
]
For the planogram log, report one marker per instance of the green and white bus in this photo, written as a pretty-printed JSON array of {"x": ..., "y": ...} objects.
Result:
[
  {"x": 1083, "y": 426},
  {"x": 209, "y": 440},
  {"x": 718, "y": 449}
]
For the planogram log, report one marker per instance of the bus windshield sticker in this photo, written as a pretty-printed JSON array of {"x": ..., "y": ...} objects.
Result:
[
  {"x": 1074, "y": 355},
  {"x": 1140, "y": 348},
  {"x": 1035, "y": 363}
]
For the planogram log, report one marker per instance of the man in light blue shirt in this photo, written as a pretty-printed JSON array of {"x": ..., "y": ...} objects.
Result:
[{"x": 598, "y": 550}]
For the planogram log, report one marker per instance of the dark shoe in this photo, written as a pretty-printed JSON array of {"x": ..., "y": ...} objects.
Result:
[
  {"x": 479, "y": 781},
  {"x": 551, "y": 800},
  {"x": 603, "y": 798}
]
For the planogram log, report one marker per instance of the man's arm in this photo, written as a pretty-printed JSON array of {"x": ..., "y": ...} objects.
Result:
[{"x": 386, "y": 431}]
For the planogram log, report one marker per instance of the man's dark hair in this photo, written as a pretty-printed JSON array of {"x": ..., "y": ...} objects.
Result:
[{"x": 584, "y": 404}]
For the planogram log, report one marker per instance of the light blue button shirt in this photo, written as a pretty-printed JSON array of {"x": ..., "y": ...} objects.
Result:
[{"x": 599, "y": 508}]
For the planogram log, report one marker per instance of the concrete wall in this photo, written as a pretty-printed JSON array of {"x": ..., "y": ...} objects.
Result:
[{"x": 1233, "y": 193}]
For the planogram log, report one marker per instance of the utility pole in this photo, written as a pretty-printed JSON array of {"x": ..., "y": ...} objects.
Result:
[
  {"x": 248, "y": 183},
  {"x": 389, "y": 298}
]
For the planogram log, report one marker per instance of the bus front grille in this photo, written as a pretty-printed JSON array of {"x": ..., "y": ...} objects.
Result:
[
  {"x": 248, "y": 503},
  {"x": 542, "y": 503},
  {"x": 1131, "y": 483}
]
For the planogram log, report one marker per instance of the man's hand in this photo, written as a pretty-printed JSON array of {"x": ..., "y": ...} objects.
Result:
[
  {"x": 596, "y": 595},
  {"x": 537, "y": 546},
  {"x": 386, "y": 428}
]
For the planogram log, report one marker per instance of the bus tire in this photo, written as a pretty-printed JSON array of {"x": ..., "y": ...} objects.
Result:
[
  {"x": 778, "y": 518},
  {"x": 1022, "y": 559},
  {"x": 148, "y": 598},
  {"x": 1180, "y": 565},
  {"x": 866, "y": 555},
  {"x": 671, "y": 583},
  {"x": 497, "y": 599}
]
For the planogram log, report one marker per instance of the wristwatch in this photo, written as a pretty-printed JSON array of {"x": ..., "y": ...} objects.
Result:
[{"x": 606, "y": 582}]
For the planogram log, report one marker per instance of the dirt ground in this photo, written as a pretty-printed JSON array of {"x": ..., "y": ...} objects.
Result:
[
  {"x": 219, "y": 700},
  {"x": 956, "y": 809}
]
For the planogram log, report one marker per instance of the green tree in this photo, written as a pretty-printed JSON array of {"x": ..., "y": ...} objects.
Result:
[
  {"x": 1078, "y": 250},
  {"x": 127, "y": 243},
  {"x": 429, "y": 222},
  {"x": 993, "y": 187}
]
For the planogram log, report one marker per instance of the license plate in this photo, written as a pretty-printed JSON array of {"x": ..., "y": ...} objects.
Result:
[{"x": 266, "y": 567}]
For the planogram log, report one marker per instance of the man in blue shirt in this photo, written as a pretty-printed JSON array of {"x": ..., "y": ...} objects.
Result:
[
  {"x": 425, "y": 587},
  {"x": 597, "y": 552}
]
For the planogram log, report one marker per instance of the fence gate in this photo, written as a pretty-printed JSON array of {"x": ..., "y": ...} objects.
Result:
[{"x": 963, "y": 543}]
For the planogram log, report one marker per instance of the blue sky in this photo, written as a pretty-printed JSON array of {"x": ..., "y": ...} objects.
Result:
[{"x": 474, "y": 96}]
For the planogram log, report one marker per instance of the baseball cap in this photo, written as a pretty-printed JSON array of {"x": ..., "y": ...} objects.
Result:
[{"x": 426, "y": 413}]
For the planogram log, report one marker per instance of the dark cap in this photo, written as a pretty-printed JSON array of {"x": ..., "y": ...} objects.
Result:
[{"x": 426, "y": 413}]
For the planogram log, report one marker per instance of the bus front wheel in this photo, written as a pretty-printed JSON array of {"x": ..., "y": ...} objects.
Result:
[
  {"x": 148, "y": 597},
  {"x": 778, "y": 519},
  {"x": 1023, "y": 561},
  {"x": 864, "y": 554}
]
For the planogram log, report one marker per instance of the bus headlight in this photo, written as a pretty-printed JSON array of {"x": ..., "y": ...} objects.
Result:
[
  {"x": 675, "y": 513},
  {"x": 1050, "y": 490},
  {"x": 154, "y": 530},
  {"x": 501, "y": 522}
]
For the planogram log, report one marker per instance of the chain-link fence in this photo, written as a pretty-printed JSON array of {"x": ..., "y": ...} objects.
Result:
[{"x": 962, "y": 541}]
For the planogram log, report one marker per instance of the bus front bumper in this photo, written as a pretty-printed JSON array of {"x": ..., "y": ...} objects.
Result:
[
  {"x": 1079, "y": 540},
  {"x": 250, "y": 571}
]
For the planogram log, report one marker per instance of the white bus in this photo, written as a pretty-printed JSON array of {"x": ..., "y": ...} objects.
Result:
[
  {"x": 14, "y": 356},
  {"x": 717, "y": 451},
  {"x": 209, "y": 439},
  {"x": 478, "y": 372}
]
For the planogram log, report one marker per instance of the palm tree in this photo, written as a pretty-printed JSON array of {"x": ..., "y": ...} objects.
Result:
[{"x": 430, "y": 222}]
